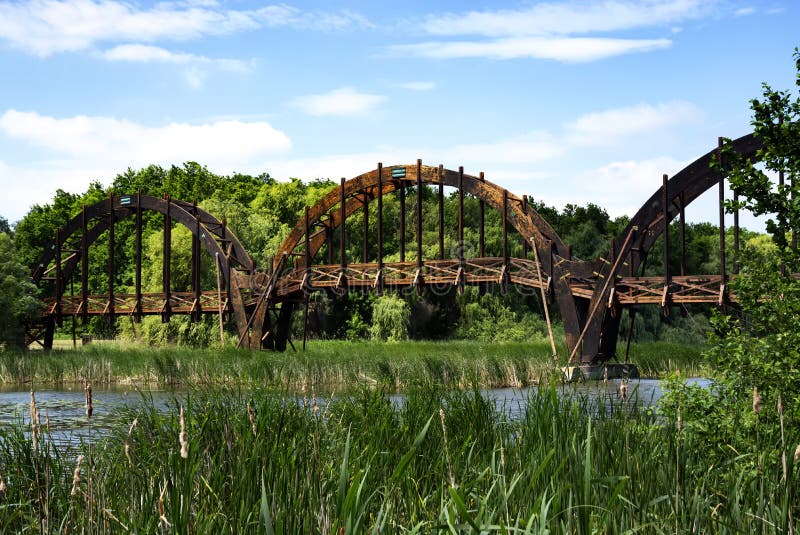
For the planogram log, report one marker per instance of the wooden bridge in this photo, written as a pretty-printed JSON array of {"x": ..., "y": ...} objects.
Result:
[{"x": 590, "y": 294}]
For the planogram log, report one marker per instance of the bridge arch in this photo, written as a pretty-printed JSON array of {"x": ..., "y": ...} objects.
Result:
[
  {"x": 326, "y": 217},
  {"x": 70, "y": 249},
  {"x": 645, "y": 227}
]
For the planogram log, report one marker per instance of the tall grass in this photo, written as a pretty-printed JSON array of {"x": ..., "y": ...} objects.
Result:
[
  {"x": 325, "y": 365},
  {"x": 442, "y": 461}
]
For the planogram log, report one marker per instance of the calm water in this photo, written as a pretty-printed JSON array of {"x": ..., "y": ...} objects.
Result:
[{"x": 65, "y": 409}]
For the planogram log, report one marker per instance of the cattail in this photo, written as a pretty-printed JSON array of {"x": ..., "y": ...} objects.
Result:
[
  {"x": 756, "y": 400},
  {"x": 161, "y": 516},
  {"x": 797, "y": 454},
  {"x": 314, "y": 405},
  {"x": 3, "y": 487},
  {"x": 679, "y": 422},
  {"x": 34, "y": 423},
  {"x": 76, "y": 477},
  {"x": 623, "y": 390},
  {"x": 128, "y": 442},
  {"x": 251, "y": 415},
  {"x": 183, "y": 438},
  {"x": 89, "y": 406},
  {"x": 780, "y": 406}
]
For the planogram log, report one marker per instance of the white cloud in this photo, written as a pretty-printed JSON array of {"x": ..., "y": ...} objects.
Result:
[
  {"x": 345, "y": 101},
  {"x": 418, "y": 86},
  {"x": 638, "y": 179},
  {"x": 566, "y": 49},
  {"x": 46, "y": 27},
  {"x": 147, "y": 53},
  {"x": 78, "y": 149},
  {"x": 555, "y": 31},
  {"x": 546, "y": 18},
  {"x": 744, "y": 11},
  {"x": 196, "y": 67},
  {"x": 129, "y": 142},
  {"x": 608, "y": 126}
]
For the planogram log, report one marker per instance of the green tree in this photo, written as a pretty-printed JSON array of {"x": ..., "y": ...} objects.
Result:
[
  {"x": 18, "y": 300},
  {"x": 761, "y": 347}
]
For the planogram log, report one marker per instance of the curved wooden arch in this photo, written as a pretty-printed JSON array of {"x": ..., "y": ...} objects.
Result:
[
  {"x": 645, "y": 227},
  {"x": 84, "y": 229},
  {"x": 528, "y": 223},
  {"x": 327, "y": 215}
]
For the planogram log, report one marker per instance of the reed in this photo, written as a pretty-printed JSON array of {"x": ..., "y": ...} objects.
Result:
[
  {"x": 325, "y": 365},
  {"x": 251, "y": 462}
]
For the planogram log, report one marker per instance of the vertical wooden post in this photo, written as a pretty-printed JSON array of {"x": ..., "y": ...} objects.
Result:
[
  {"x": 505, "y": 228},
  {"x": 197, "y": 312},
  {"x": 721, "y": 214},
  {"x": 401, "y": 186},
  {"x": 138, "y": 254},
  {"x": 305, "y": 325},
  {"x": 111, "y": 247},
  {"x": 365, "y": 243},
  {"x": 736, "y": 234},
  {"x": 524, "y": 241},
  {"x": 380, "y": 230},
  {"x": 166, "y": 267},
  {"x": 481, "y": 235},
  {"x": 59, "y": 277},
  {"x": 343, "y": 220},
  {"x": 419, "y": 213},
  {"x": 307, "y": 239},
  {"x": 461, "y": 215},
  {"x": 665, "y": 230},
  {"x": 683, "y": 235},
  {"x": 84, "y": 267},
  {"x": 441, "y": 212}
]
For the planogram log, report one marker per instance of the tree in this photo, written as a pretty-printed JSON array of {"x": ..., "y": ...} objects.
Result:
[
  {"x": 762, "y": 349},
  {"x": 18, "y": 300}
]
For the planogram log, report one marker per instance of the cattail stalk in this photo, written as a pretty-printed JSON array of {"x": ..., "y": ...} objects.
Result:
[
  {"x": 76, "y": 477},
  {"x": 756, "y": 400},
  {"x": 183, "y": 437},
  {"x": 128, "y": 442},
  {"x": 251, "y": 415},
  {"x": 89, "y": 405}
]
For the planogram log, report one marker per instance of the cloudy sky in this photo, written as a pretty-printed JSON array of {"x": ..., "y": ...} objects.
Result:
[{"x": 568, "y": 101}]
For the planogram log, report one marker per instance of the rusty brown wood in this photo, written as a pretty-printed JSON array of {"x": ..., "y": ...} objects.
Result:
[
  {"x": 481, "y": 223},
  {"x": 138, "y": 254},
  {"x": 401, "y": 186},
  {"x": 167, "y": 252},
  {"x": 419, "y": 213},
  {"x": 111, "y": 247}
]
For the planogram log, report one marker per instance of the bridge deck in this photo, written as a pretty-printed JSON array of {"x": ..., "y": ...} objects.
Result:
[{"x": 438, "y": 273}]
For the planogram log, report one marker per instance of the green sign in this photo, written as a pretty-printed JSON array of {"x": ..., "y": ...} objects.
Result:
[
  {"x": 399, "y": 172},
  {"x": 125, "y": 201}
]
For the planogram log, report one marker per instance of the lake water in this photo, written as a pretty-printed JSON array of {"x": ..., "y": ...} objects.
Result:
[{"x": 66, "y": 412}]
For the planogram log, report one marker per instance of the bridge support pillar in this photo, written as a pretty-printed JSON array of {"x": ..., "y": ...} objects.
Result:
[{"x": 284, "y": 325}]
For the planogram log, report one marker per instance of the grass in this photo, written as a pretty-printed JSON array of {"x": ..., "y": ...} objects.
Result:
[
  {"x": 444, "y": 461},
  {"x": 325, "y": 365}
]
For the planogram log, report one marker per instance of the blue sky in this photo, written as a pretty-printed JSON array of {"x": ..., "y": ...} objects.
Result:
[{"x": 567, "y": 101}]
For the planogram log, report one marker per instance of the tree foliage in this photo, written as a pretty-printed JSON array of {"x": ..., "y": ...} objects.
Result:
[{"x": 18, "y": 296}]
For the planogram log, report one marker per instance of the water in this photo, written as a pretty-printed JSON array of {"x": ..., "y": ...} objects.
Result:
[{"x": 65, "y": 408}]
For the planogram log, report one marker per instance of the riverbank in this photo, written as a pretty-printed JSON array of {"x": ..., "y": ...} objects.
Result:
[{"x": 325, "y": 365}]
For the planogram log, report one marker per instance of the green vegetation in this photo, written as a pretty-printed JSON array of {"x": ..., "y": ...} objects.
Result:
[
  {"x": 440, "y": 462},
  {"x": 326, "y": 365},
  {"x": 262, "y": 211}
]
